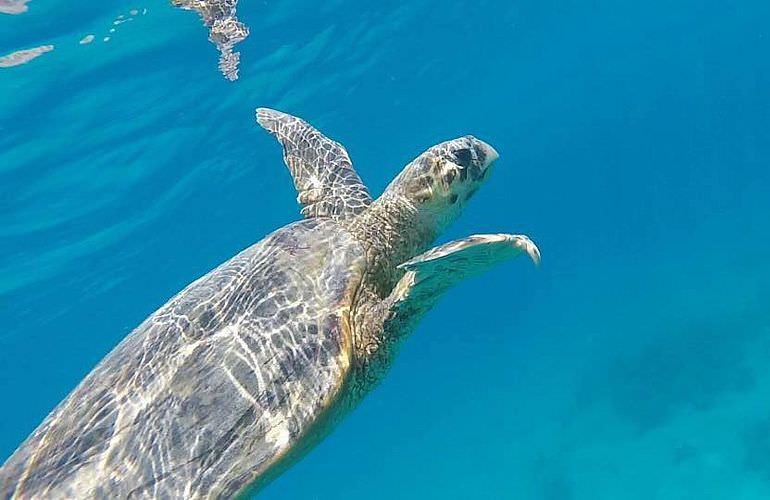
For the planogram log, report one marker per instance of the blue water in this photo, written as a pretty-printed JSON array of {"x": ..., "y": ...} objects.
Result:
[{"x": 634, "y": 142}]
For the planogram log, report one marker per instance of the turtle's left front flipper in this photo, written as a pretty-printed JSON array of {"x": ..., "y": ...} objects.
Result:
[{"x": 433, "y": 272}]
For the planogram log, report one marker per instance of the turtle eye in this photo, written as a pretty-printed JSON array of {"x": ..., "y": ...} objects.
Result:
[{"x": 464, "y": 157}]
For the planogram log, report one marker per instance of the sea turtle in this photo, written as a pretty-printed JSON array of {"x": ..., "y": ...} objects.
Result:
[{"x": 243, "y": 371}]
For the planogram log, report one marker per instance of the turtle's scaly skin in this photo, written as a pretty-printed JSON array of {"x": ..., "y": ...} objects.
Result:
[
  {"x": 213, "y": 387},
  {"x": 326, "y": 183}
]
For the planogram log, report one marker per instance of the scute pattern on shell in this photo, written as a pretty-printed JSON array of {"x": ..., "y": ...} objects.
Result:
[{"x": 214, "y": 387}]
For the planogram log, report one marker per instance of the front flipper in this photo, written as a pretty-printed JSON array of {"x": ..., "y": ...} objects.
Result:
[
  {"x": 433, "y": 272},
  {"x": 327, "y": 185}
]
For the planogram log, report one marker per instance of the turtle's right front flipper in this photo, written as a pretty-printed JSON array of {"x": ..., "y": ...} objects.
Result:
[
  {"x": 433, "y": 272},
  {"x": 327, "y": 185}
]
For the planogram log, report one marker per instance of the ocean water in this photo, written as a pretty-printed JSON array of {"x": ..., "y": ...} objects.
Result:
[{"x": 634, "y": 142}]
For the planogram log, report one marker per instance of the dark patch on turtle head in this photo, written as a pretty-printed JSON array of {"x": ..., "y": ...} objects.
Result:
[{"x": 464, "y": 157}]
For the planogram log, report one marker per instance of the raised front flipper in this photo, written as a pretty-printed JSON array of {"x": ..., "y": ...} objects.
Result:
[
  {"x": 327, "y": 185},
  {"x": 433, "y": 272}
]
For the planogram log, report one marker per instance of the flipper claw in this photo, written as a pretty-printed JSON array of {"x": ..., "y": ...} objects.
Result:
[{"x": 527, "y": 245}]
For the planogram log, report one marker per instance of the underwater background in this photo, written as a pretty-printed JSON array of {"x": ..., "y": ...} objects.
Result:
[{"x": 634, "y": 142}]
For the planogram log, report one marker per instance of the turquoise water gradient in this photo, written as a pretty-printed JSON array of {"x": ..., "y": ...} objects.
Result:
[{"x": 634, "y": 142}]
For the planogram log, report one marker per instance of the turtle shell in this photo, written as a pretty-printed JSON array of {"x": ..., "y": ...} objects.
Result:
[{"x": 213, "y": 389}]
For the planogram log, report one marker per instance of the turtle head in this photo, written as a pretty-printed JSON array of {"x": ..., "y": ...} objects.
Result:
[{"x": 439, "y": 182}]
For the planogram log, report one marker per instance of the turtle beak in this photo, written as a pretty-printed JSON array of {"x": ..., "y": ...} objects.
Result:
[
  {"x": 485, "y": 154},
  {"x": 490, "y": 155}
]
